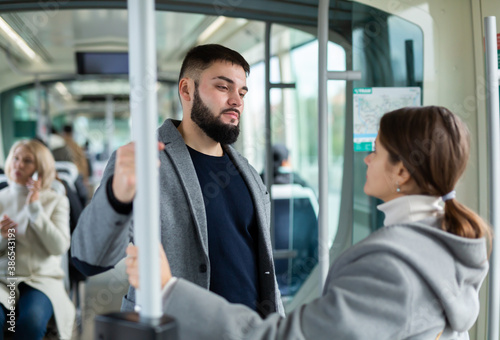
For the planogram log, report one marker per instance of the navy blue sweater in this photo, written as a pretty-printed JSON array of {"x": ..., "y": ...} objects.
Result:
[{"x": 232, "y": 229}]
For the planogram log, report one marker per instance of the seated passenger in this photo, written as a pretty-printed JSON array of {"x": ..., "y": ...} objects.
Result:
[
  {"x": 66, "y": 150},
  {"x": 416, "y": 278},
  {"x": 282, "y": 169},
  {"x": 295, "y": 224},
  {"x": 34, "y": 225}
]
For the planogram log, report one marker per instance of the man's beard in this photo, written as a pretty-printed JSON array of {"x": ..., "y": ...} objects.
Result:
[{"x": 212, "y": 125}]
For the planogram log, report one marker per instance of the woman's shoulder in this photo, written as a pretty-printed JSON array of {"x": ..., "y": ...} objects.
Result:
[
  {"x": 50, "y": 195},
  {"x": 418, "y": 239},
  {"x": 394, "y": 239},
  {"x": 402, "y": 230}
]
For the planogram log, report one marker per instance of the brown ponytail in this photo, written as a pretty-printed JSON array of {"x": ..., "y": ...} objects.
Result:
[
  {"x": 461, "y": 221},
  {"x": 433, "y": 145}
]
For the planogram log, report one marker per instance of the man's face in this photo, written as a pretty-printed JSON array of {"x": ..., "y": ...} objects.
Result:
[{"x": 218, "y": 101}]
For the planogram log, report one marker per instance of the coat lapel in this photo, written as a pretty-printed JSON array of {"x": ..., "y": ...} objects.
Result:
[{"x": 177, "y": 152}]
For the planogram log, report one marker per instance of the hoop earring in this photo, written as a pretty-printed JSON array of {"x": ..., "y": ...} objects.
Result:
[{"x": 398, "y": 189}]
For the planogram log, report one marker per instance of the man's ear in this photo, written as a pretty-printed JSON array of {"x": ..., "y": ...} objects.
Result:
[{"x": 185, "y": 89}]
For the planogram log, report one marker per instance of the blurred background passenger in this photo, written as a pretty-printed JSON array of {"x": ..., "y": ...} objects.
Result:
[
  {"x": 64, "y": 148},
  {"x": 71, "y": 162},
  {"x": 78, "y": 154},
  {"x": 282, "y": 167},
  {"x": 34, "y": 225}
]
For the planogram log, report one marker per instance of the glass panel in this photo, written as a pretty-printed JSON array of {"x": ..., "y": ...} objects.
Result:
[
  {"x": 389, "y": 53},
  {"x": 294, "y": 130}
]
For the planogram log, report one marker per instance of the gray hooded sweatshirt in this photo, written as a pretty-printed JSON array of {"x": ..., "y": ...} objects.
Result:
[{"x": 408, "y": 280}]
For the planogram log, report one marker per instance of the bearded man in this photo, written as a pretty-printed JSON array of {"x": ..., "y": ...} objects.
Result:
[{"x": 214, "y": 208}]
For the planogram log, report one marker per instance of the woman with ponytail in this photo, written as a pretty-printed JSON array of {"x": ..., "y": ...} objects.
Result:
[
  {"x": 418, "y": 277},
  {"x": 431, "y": 147}
]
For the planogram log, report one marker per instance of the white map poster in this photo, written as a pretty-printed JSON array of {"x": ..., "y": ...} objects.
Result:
[{"x": 370, "y": 103}]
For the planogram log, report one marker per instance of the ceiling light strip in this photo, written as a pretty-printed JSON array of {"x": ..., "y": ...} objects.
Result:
[{"x": 17, "y": 39}]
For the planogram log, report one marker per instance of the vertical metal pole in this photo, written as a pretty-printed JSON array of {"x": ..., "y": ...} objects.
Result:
[
  {"x": 109, "y": 125},
  {"x": 323, "y": 251},
  {"x": 143, "y": 108},
  {"x": 269, "y": 169},
  {"x": 490, "y": 27},
  {"x": 41, "y": 119}
]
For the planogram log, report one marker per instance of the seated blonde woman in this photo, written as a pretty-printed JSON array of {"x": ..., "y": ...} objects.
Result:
[{"x": 34, "y": 227}]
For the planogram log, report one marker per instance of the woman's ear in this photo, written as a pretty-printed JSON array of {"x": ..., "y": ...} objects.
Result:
[
  {"x": 402, "y": 174},
  {"x": 185, "y": 89}
]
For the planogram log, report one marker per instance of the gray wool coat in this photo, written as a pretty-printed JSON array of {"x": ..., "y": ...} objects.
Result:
[{"x": 102, "y": 234}]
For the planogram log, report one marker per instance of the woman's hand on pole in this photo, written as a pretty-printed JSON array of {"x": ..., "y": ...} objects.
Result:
[{"x": 132, "y": 264}]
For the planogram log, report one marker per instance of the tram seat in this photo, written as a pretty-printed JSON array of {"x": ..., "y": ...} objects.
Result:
[
  {"x": 73, "y": 277},
  {"x": 295, "y": 235},
  {"x": 3, "y": 181},
  {"x": 68, "y": 172}
]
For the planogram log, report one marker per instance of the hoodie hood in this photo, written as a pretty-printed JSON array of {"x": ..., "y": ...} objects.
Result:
[
  {"x": 452, "y": 267},
  {"x": 455, "y": 278}
]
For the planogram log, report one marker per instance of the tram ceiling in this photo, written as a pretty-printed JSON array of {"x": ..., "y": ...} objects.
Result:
[
  {"x": 56, "y": 29},
  {"x": 95, "y": 30},
  {"x": 296, "y": 12}
]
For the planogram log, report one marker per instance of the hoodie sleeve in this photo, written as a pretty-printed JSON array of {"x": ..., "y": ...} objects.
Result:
[{"x": 368, "y": 298}]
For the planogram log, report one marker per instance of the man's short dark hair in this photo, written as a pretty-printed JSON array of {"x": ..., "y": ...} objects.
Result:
[{"x": 201, "y": 57}]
